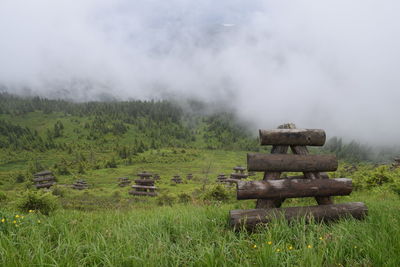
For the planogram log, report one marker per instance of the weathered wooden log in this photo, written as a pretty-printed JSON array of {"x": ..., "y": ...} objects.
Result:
[
  {"x": 141, "y": 193},
  {"x": 46, "y": 178},
  {"x": 291, "y": 163},
  {"x": 144, "y": 174},
  {"x": 45, "y": 185},
  {"x": 290, "y": 188},
  {"x": 145, "y": 181},
  {"x": 301, "y": 137},
  {"x": 323, "y": 175},
  {"x": 144, "y": 187},
  {"x": 239, "y": 175},
  {"x": 331, "y": 212},
  {"x": 43, "y": 173}
]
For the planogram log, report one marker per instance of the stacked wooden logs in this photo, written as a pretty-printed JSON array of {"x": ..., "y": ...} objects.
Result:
[
  {"x": 144, "y": 186},
  {"x": 80, "y": 185},
  {"x": 44, "y": 179},
  {"x": 272, "y": 191},
  {"x": 239, "y": 173},
  {"x": 176, "y": 179},
  {"x": 222, "y": 178},
  {"x": 396, "y": 163},
  {"x": 123, "y": 181}
]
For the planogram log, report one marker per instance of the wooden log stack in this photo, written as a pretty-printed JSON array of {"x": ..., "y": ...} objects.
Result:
[
  {"x": 239, "y": 173},
  {"x": 123, "y": 181},
  {"x": 44, "y": 179},
  {"x": 221, "y": 178},
  {"x": 273, "y": 190},
  {"x": 80, "y": 185},
  {"x": 144, "y": 186},
  {"x": 396, "y": 163},
  {"x": 176, "y": 179}
]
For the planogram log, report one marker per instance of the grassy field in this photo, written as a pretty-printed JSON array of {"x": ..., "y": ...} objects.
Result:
[
  {"x": 104, "y": 226},
  {"x": 198, "y": 235}
]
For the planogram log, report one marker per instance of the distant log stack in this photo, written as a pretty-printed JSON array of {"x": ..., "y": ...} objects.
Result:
[
  {"x": 176, "y": 179},
  {"x": 239, "y": 173},
  {"x": 144, "y": 186},
  {"x": 44, "y": 179},
  {"x": 189, "y": 176},
  {"x": 80, "y": 185},
  {"x": 350, "y": 169},
  {"x": 222, "y": 178},
  {"x": 396, "y": 163},
  {"x": 272, "y": 191},
  {"x": 123, "y": 181}
]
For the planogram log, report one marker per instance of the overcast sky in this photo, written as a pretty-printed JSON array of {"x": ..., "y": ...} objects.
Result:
[{"x": 322, "y": 64}]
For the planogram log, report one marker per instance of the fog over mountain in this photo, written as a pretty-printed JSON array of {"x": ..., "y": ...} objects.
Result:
[{"x": 323, "y": 64}]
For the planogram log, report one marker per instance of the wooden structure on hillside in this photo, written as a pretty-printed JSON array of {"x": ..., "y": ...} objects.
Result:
[
  {"x": 80, "y": 185},
  {"x": 239, "y": 173},
  {"x": 272, "y": 191},
  {"x": 44, "y": 179},
  {"x": 123, "y": 181},
  {"x": 189, "y": 176},
  {"x": 176, "y": 179},
  {"x": 221, "y": 178},
  {"x": 144, "y": 186},
  {"x": 396, "y": 163}
]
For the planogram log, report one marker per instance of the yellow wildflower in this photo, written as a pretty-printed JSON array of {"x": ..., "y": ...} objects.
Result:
[
  {"x": 321, "y": 238},
  {"x": 277, "y": 250},
  {"x": 269, "y": 242},
  {"x": 17, "y": 216},
  {"x": 309, "y": 246},
  {"x": 38, "y": 221},
  {"x": 3, "y": 220},
  {"x": 30, "y": 211},
  {"x": 355, "y": 246},
  {"x": 254, "y": 246},
  {"x": 290, "y": 247},
  {"x": 14, "y": 221}
]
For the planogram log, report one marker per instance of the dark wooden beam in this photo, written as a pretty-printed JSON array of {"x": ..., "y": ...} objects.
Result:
[
  {"x": 291, "y": 163},
  {"x": 290, "y": 188},
  {"x": 300, "y": 137}
]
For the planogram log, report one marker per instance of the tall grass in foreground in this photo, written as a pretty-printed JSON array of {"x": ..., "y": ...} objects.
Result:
[{"x": 193, "y": 235}]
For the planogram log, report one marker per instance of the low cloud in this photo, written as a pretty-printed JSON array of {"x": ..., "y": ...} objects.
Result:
[{"x": 322, "y": 64}]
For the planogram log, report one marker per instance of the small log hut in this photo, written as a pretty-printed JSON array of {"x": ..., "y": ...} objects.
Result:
[
  {"x": 176, "y": 179},
  {"x": 272, "y": 191},
  {"x": 44, "y": 179},
  {"x": 123, "y": 181},
  {"x": 80, "y": 185},
  {"x": 144, "y": 186}
]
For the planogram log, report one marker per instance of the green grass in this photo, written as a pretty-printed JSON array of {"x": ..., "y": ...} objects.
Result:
[{"x": 198, "y": 235}]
